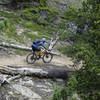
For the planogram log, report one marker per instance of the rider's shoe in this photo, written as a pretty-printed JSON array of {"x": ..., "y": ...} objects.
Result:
[{"x": 38, "y": 57}]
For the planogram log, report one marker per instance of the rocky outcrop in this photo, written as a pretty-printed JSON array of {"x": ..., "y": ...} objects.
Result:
[{"x": 28, "y": 88}]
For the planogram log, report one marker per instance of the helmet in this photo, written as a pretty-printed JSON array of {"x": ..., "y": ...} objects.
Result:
[{"x": 44, "y": 40}]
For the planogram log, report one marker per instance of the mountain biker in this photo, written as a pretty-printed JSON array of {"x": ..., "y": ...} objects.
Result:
[{"x": 37, "y": 43}]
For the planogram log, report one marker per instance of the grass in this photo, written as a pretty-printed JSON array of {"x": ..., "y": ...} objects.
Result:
[
  {"x": 42, "y": 30},
  {"x": 33, "y": 26},
  {"x": 30, "y": 35},
  {"x": 11, "y": 16},
  {"x": 8, "y": 30}
]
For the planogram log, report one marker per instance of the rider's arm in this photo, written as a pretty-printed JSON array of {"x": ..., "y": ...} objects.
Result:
[{"x": 42, "y": 44}]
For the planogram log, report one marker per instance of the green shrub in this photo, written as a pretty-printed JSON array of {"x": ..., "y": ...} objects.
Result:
[
  {"x": 33, "y": 26},
  {"x": 28, "y": 14},
  {"x": 66, "y": 50},
  {"x": 8, "y": 29},
  {"x": 86, "y": 47},
  {"x": 7, "y": 26},
  {"x": 61, "y": 94},
  {"x": 34, "y": 14},
  {"x": 66, "y": 92},
  {"x": 11, "y": 16}
]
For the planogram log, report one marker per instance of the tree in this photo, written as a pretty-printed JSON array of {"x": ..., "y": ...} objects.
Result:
[{"x": 86, "y": 47}]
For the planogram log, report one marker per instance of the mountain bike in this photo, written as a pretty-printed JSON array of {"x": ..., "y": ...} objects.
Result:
[{"x": 44, "y": 54}]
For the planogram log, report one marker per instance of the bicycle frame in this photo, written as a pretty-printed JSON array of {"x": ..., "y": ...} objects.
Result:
[{"x": 41, "y": 53}]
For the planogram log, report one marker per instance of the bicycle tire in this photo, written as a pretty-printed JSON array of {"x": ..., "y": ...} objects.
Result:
[
  {"x": 46, "y": 55},
  {"x": 31, "y": 58}
]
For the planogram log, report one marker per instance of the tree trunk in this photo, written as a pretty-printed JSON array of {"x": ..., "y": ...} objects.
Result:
[
  {"x": 53, "y": 43},
  {"x": 40, "y": 73},
  {"x": 4, "y": 80},
  {"x": 15, "y": 46}
]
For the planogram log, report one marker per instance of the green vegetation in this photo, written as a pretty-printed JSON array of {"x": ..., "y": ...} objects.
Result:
[
  {"x": 34, "y": 15},
  {"x": 8, "y": 30},
  {"x": 13, "y": 17},
  {"x": 33, "y": 26},
  {"x": 66, "y": 92},
  {"x": 42, "y": 3},
  {"x": 85, "y": 47}
]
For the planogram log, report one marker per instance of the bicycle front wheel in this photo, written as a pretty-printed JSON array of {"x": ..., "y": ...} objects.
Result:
[
  {"x": 31, "y": 58},
  {"x": 47, "y": 57}
]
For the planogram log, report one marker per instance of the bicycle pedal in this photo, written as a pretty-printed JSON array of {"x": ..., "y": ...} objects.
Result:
[{"x": 38, "y": 57}]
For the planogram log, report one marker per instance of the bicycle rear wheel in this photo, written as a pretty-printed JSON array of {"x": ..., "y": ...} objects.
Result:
[
  {"x": 47, "y": 57},
  {"x": 31, "y": 58}
]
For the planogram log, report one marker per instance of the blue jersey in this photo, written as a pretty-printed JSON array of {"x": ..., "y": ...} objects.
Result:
[{"x": 39, "y": 43}]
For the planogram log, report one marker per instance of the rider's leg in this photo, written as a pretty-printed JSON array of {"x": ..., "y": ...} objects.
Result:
[
  {"x": 33, "y": 48},
  {"x": 38, "y": 52}
]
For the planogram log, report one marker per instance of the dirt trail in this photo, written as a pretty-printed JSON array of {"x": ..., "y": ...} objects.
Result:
[{"x": 17, "y": 60}]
